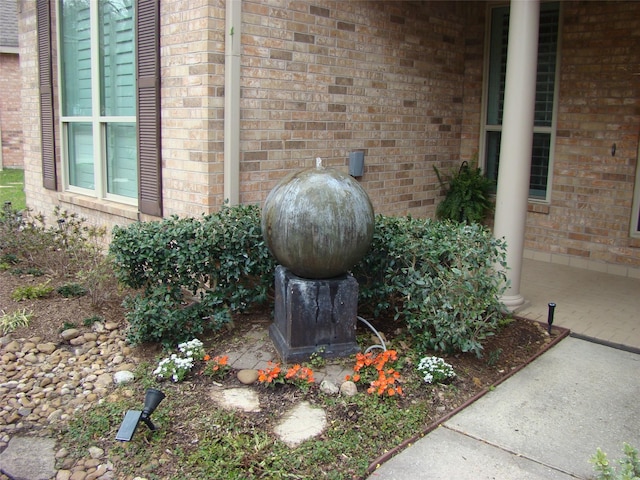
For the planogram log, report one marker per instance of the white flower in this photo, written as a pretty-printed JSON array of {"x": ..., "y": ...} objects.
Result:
[
  {"x": 193, "y": 348},
  {"x": 435, "y": 369}
]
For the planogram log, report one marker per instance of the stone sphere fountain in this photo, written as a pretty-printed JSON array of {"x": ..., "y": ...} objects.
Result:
[{"x": 318, "y": 223}]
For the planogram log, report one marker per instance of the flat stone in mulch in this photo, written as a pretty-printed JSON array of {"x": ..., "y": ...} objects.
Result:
[{"x": 29, "y": 458}]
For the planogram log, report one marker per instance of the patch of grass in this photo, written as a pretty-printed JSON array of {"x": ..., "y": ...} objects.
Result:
[
  {"x": 9, "y": 259},
  {"x": 67, "y": 326},
  {"x": 29, "y": 292},
  {"x": 11, "y": 321},
  {"x": 12, "y": 188},
  {"x": 89, "y": 321}
]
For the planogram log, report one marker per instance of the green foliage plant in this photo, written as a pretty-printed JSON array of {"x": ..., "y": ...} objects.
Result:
[
  {"x": 17, "y": 319},
  {"x": 629, "y": 465},
  {"x": 443, "y": 279},
  {"x": 29, "y": 292},
  {"x": 468, "y": 195},
  {"x": 191, "y": 274}
]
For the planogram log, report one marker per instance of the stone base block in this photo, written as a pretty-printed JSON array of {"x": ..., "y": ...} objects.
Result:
[{"x": 314, "y": 316}]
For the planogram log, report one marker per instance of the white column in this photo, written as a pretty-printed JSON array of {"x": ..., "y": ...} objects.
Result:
[{"x": 517, "y": 138}]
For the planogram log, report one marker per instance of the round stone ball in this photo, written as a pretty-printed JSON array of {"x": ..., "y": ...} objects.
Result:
[{"x": 318, "y": 222}]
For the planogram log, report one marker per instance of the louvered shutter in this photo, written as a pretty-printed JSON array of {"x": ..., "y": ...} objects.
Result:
[
  {"x": 148, "y": 106},
  {"x": 47, "y": 120}
]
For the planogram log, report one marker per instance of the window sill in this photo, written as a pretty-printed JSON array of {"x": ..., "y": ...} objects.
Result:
[
  {"x": 634, "y": 242},
  {"x": 535, "y": 207},
  {"x": 128, "y": 212}
]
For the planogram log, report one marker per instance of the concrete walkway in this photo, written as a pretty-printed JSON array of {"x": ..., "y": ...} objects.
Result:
[{"x": 546, "y": 421}]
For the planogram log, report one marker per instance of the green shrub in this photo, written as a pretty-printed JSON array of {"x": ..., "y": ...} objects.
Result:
[
  {"x": 29, "y": 292},
  {"x": 629, "y": 465},
  {"x": 440, "y": 278},
  {"x": 191, "y": 273}
]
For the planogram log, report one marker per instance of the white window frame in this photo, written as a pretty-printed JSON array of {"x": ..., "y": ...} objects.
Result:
[
  {"x": 485, "y": 128},
  {"x": 97, "y": 121}
]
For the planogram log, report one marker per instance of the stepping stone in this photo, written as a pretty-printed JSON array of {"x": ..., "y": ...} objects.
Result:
[
  {"x": 241, "y": 398},
  {"x": 301, "y": 423},
  {"x": 29, "y": 458}
]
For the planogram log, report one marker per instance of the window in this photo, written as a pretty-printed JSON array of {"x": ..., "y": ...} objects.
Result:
[
  {"x": 98, "y": 98},
  {"x": 544, "y": 123},
  {"x": 115, "y": 150}
]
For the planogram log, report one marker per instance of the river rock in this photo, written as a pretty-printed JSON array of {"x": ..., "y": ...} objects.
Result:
[
  {"x": 69, "y": 334},
  {"x": 46, "y": 348},
  {"x": 123, "y": 376},
  {"x": 329, "y": 388},
  {"x": 248, "y": 376},
  {"x": 348, "y": 389}
]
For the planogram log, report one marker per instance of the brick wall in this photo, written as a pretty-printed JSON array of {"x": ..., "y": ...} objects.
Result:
[
  {"x": 37, "y": 199},
  {"x": 322, "y": 79},
  {"x": 401, "y": 81},
  {"x": 192, "y": 72},
  {"x": 599, "y": 105},
  {"x": 10, "y": 114},
  {"x": 587, "y": 221}
]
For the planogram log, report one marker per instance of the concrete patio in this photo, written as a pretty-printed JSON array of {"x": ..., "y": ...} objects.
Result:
[{"x": 590, "y": 303}]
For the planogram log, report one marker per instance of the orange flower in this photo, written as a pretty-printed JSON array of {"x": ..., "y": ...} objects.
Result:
[{"x": 385, "y": 376}]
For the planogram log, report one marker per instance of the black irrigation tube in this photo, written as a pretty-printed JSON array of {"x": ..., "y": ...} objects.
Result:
[{"x": 562, "y": 333}]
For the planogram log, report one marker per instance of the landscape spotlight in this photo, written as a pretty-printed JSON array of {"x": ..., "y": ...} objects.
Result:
[{"x": 131, "y": 420}]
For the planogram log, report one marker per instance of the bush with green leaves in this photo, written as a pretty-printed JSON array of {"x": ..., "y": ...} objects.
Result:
[
  {"x": 191, "y": 274},
  {"x": 629, "y": 465},
  {"x": 30, "y": 292},
  {"x": 443, "y": 279}
]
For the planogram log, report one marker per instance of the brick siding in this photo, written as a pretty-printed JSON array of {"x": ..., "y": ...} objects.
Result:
[{"x": 10, "y": 111}]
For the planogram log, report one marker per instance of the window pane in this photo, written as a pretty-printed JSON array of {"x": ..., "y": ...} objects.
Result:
[
  {"x": 539, "y": 164},
  {"x": 122, "y": 165},
  {"x": 547, "y": 51},
  {"x": 497, "y": 64},
  {"x": 81, "y": 155},
  {"x": 117, "y": 58},
  {"x": 493, "y": 154},
  {"x": 539, "y": 161},
  {"x": 76, "y": 58}
]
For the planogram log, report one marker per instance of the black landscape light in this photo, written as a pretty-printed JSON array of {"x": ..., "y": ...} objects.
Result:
[
  {"x": 131, "y": 420},
  {"x": 552, "y": 308}
]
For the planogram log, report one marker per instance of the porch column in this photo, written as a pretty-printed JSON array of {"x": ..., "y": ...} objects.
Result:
[{"x": 517, "y": 138}]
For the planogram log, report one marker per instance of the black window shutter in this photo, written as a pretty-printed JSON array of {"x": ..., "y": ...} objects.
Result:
[
  {"x": 148, "y": 107},
  {"x": 47, "y": 120}
]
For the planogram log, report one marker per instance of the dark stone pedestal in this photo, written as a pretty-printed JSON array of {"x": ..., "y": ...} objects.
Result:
[{"x": 314, "y": 316}]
